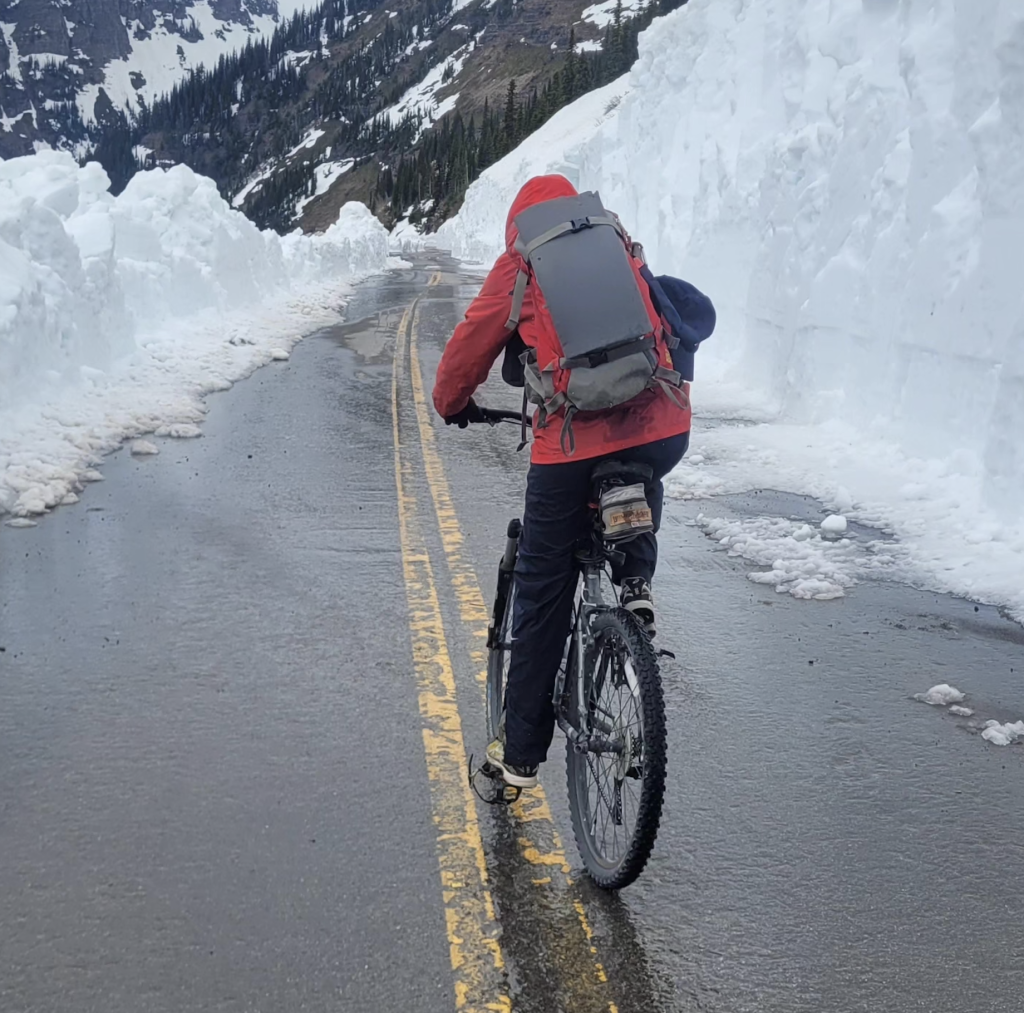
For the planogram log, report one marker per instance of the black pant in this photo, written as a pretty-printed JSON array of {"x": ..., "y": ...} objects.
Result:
[{"x": 556, "y": 516}]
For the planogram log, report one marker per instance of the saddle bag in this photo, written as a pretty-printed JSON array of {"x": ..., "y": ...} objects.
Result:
[{"x": 625, "y": 512}]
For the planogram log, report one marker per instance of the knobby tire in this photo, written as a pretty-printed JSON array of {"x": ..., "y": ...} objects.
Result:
[
  {"x": 618, "y": 625},
  {"x": 498, "y": 660}
]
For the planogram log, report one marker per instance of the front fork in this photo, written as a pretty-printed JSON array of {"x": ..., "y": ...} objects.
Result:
[
  {"x": 506, "y": 569},
  {"x": 577, "y": 661}
]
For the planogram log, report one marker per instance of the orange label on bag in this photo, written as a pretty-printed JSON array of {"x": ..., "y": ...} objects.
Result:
[{"x": 630, "y": 518}]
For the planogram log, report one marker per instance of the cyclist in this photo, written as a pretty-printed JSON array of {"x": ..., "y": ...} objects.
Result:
[{"x": 652, "y": 429}]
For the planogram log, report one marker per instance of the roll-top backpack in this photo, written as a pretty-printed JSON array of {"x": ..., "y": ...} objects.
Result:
[{"x": 599, "y": 342}]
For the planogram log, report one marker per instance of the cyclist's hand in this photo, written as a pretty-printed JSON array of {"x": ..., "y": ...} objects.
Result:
[{"x": 471, "y": 413}]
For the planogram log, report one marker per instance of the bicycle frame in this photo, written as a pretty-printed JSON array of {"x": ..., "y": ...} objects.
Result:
[{"x": 580, "y": 646}]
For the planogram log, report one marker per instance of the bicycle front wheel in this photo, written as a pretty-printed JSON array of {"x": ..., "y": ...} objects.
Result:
[
  {"x": 498, "y": 659},
  {"x": 499, "y": 634},
  {"x": 616, "y": 789}
]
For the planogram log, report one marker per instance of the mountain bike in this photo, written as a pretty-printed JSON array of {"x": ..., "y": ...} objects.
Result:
[{"x": 608, "y": 696}]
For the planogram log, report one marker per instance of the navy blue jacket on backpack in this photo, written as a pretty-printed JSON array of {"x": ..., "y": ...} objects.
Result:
[{"x": 688, "y": 312}]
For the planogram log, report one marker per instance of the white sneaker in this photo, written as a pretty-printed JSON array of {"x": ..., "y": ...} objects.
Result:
[
  {"x": 636, "y": 597},
  {"x": 518, "y": 777}
]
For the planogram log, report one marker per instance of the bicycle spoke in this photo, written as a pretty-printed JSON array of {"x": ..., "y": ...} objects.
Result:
[
  {"x": 613, "y": 710},
  {"x": 616, "y": 784}
]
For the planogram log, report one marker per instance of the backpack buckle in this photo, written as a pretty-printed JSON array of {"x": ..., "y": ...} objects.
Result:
[{"x": 579, "y": 224}]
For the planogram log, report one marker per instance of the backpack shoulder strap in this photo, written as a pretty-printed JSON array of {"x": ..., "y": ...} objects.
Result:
[{"x": 517, "y": 300}]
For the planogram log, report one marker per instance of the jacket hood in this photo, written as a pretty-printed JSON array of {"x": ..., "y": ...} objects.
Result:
[{"x": 535, "y": 191}]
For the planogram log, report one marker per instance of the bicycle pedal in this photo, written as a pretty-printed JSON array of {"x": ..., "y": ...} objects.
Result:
[{"x": 504, "y": 794}]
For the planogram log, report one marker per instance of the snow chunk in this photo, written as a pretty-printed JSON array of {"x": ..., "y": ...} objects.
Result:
[
  {"x": 834, "y": 524},
  {"x": 180, "y": 431},
  {"x": 280, "y": 355},
  {"x": 961, "y": 712},
  {"x": 1002, "y": 734},
  {"x": 941, "y": 695},
  {"x": 20, "y": 522},
  {"x": 143, "y": 448}
]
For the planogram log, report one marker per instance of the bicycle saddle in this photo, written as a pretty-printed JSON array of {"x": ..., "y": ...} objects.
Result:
[{"x": 621, "y": 472}]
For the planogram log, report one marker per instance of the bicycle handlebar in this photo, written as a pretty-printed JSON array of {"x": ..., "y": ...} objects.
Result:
[{"x": 492, "y": 416}]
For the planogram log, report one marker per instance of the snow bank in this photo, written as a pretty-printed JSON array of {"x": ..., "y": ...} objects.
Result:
[
  {"x": 117, "y": 314},
  {"x": 844, "y": 178}
]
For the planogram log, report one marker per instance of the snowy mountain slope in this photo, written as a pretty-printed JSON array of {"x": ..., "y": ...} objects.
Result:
[
  {"x": 57, "y": 59},
  {"x": 477, "y": 233},
  {"x": 844, "y": 179},
  {"x": 118, "y": 314},
  {"x": 376, "y": 85}
]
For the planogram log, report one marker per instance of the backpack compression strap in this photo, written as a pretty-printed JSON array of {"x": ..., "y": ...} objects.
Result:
[{"x": 528, "y": 250}]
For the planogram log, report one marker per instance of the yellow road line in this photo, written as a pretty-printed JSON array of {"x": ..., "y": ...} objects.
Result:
[
  {"x": 533, "y": 807},
  {"x": 471, "y": 925}
]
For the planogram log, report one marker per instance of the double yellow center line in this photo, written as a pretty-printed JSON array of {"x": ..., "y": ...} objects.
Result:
[
  {"x": 473, "y": 931},
  {"x": 472, "y": 928}
]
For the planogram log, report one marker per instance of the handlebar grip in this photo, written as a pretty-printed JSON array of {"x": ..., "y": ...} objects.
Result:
[{"x": 492, "y": 415}]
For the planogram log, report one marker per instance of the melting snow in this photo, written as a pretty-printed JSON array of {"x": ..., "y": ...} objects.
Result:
[{"x": 800, "y": 561}]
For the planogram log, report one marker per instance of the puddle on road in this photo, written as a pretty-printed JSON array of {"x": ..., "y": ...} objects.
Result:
[{"x": 370, "y": 337}]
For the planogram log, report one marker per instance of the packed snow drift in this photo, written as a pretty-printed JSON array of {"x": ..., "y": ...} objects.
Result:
[
  {"x": 845, "y": 179},
  {"x": 118, "y": 313}
]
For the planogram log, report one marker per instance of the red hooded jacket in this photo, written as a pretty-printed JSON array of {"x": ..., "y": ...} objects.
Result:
[{"x": 480, "y": 338}]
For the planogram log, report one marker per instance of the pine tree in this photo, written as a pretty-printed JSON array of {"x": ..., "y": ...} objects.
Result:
[
  {"x": 510, "y": 116},
  {"x": 570, "y": 72}
]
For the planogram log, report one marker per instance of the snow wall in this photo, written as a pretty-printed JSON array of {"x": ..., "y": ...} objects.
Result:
[
  {"x": 845, "y": 178},
  {"x": 118, "y": 313}
]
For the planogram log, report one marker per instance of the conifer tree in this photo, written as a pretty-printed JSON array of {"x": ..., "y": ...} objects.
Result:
[{"x": 510, "y": 116}]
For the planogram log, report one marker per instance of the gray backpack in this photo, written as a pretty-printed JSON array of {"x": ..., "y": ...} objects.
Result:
[{"x": 598, "y": 344}]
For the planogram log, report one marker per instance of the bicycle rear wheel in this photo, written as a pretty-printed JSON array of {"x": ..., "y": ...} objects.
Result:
[{"x": 615, "y": 797}]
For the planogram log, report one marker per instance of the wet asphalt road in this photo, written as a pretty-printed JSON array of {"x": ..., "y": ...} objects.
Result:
[{"x": 217, "y": 789}]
